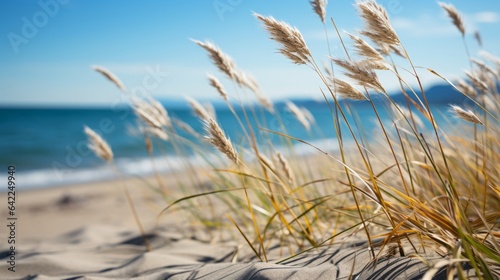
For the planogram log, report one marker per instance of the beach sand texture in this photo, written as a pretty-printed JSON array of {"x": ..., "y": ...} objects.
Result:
[{"x": 87, "y": 232}]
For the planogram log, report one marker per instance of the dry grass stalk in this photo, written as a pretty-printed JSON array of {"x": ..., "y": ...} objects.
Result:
[
  {"x": 309, "y": 116},
  {"x": 466, "y": 88},
  {"x": 319, "y": 7},
  {"x": 292, "y": 43},
  {"x": 285, "y": 167},
  {"x": 483, "y": 67},
  {"x": 377, "y": 25},
  {"x": 478, "y": 81},
  {"x": 397, "y": 50},
  {"x": 454, "y": 15},
  {"x": 160, "y": 112},
  {"x": 220, "y": 59},
  {"x": 199, "y": 109},
  {"x": 265, "y": 102},
  {"x": 216, "y": 137},
  {"x": 147, "y": 113},
  {"x": 227, "y": 66},
  {"x": 210, "y": 109},
  {"x": 299, "y": 115},
  {"x": 360, "y": 73},
  {"x": 348, "y": 91},
  {"x": 364, "y": 49},
  {"x": 404, "y": 112},
  {"x": 466, "y": 115},
  {"x": 492, "y": 58},
  {"x": 266, "y": 161},
  {"x": 110, "y": 76},
  {"x": 245, "y": 79},
  {"x": 374, "y": 64},
  {"x": 215, "y": 83},
  {"x": 98, "y": 145},
  {"x": 489, "y": 103},
  {"x": 156, "y": 132},
  {"x": 186, "y": 127}
]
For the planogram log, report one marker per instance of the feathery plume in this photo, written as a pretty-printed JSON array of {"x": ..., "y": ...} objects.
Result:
[
  {"x": 404, "y": 112},
  {"x": 110, "y": 76},
  {"x": 292, "y": 43},
  {"x": 285, "y": 167},
  {"x": 210, "y": 109},
  {"x": 186, "y": 127},
  {"x": 227, "y": 66},
  {"x": 489, "y": 104},
  {"x": 299, "y": 115},
  {"x": 483, "y": 67},
  {"x": 454, "y": 15},
  {"x": 319, "y": 7},
  {"x": 309, "y": 116},
  {"x": 373, "y": 58},
  {"x": 265, "y": 102},
  {"x": 364, "y": 49},
  {"x": 492, "y": 58},
  {"x": 156, "y": 132},
  {"x": 466, "y": 88},
  {"x": 397, "y": 50},
  {"x": 147, "y": 113},
  {"x": 216, "y": 137},
  {"x": 160, "y": 112},
  {"x": 466, "y": 115},
  {"x": 198, "y": 109},
  {"x": 374, "y": 64},
  {"x": 360, "y": 73},
  {"x": 348, "y": 91},
  {"x": 266, "y": 161},
  {"x": 477, "y": 81},
  {"x": 377, "y": 25},
  {"x": 215, "y": 83},
  {"x": 220, "y": 59},
  {"x": 98, "y": 145}
]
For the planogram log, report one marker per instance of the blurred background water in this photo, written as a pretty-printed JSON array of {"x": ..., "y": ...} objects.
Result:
[{"x": 48, "y": 146}]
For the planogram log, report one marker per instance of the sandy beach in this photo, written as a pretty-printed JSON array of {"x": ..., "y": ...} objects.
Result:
[{"x": 87, "y": 232}]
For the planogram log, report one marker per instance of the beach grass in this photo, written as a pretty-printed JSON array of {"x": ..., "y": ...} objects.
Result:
[{"x": 405, "y": 190}]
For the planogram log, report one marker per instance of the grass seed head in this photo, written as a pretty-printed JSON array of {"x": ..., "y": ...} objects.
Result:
[
  {"x": 216, "y": 137},
  {"x": 466, "y": 115},
  {"x": 319, "y": 7},
  {"x": 98, "y": 145},
  {"x": 454, "y": 15},
  {"x": 377, "y": 25},
  {"x": 215, "y": 83},
  {"x": 360, "y": 73},
  {"x": 292, "y": 44},
  {"x": 110, "y": 76},
  {"x": 348, "y": 91},
  {"x": 299, "y": 115},
  {"x": 199, "y": 109},
  {"x": 220, "y": 59}
]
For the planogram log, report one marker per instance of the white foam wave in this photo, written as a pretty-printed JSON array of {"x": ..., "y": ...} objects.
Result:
[{"x": 128, "y": 167}]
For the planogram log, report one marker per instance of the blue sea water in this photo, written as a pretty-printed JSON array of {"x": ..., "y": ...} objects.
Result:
[{"x": 48, "y": 146}]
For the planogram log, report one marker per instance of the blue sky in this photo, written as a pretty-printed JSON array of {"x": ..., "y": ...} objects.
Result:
[{"x": 47, "y": 47}]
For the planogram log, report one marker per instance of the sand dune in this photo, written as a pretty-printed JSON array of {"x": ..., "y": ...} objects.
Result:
[{"x": 86, "y": 232}]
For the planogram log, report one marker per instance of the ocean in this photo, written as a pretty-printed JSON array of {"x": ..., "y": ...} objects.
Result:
[{"x": 48, "y": 146}]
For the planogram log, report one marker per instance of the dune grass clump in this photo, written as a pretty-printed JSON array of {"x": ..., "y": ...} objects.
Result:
[{"x": 406, "y": 190}]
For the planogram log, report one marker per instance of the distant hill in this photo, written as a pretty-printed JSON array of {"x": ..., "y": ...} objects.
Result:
[{"x": 441, "y": 93}]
